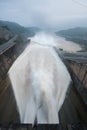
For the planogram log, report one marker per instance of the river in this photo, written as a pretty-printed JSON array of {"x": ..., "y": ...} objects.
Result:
[{"x": 67, "y": 45}]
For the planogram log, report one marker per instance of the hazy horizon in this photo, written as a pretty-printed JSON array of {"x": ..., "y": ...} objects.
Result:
[{"x": 49, "y": 14}]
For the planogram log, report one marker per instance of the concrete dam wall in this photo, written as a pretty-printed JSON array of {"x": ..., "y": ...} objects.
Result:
[{"x": 73, "y": 110}]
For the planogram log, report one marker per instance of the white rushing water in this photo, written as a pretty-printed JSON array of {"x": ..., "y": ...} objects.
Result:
[
  {"x": 45, "y": 39},
  {"x": 56, "y": 41},
  {"x": 39, "y": 81}
]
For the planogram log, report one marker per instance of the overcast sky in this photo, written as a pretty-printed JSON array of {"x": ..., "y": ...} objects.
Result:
[{"x": 44, "y": 13}]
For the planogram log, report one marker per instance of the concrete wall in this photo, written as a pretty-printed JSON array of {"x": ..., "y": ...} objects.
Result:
[{"x": 8, "y": 109}]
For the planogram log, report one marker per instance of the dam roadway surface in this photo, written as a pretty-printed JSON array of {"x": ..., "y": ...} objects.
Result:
[
  {"x": 74, "y": 108},
  {"x": 8, "y": 44}
]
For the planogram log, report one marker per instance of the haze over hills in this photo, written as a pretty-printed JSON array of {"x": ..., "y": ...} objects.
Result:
[
  {"x": 74, "y": 32},
  {"x": 78, "y": 35},
  {"x": 18, "y": 29},
  {"x": 10, "y": 29}
]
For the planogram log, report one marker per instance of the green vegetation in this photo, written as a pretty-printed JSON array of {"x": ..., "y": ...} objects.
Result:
[
  {"x": 10, "y": 29},
  {"x": 77, "y": 35},
  {"x": 5, "y": 27},
  {"x": 2, "y": 41},
  {"x": 5, "y": 34},
  {"x": 18, "y": 29},
  {"x": 60, "y": 49}
]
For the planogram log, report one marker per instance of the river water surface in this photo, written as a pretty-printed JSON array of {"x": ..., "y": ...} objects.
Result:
[{"x": 67, "y": 45}]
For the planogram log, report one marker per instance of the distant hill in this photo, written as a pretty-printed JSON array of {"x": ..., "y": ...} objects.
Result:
[
  {"x": 74, "y": 32},
  {"x": 18, "y": 29},
  {"x": 78, "y": 35}
]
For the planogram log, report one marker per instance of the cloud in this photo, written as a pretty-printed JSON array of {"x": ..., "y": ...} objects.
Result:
[{"x": 46, "y": 13}]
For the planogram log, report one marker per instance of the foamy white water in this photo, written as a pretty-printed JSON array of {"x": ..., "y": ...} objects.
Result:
[
  {"x": 39, "y": 81},
  {"x": 45, "y": 38},
  {"x": 56, "y": 41}
]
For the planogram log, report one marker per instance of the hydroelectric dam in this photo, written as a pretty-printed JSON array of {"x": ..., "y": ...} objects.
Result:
[{"x": 74, "y": 108}]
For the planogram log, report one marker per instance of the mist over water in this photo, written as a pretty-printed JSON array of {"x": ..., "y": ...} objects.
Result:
[
  {"x": 45, "y": 38},
  {"x": 50, "y": 39}
]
